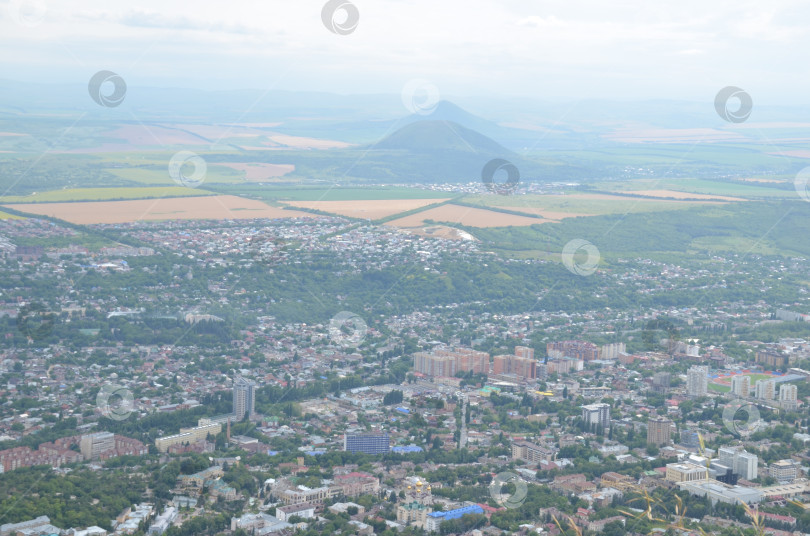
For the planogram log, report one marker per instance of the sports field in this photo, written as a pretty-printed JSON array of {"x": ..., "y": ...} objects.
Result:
[{"x": 722, "y": 383}]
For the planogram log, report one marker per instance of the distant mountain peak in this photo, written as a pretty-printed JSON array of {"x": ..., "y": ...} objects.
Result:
[{"x": 434, "y": 135}]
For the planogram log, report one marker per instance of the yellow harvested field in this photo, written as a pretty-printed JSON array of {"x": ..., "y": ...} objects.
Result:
[
  {"x": 473, "y": 217},
  {"x": 367, "y": 209},
  {"x": 215, "y": 207},
  {"x": 261, "y": 171},
  {"x": 683, "y": 195}
]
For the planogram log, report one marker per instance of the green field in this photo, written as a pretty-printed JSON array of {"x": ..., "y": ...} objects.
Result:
[
  {"x": 158, "y": 174},
  {"x": 371, "y": 193},
  {"x": 103, "y": 194}
]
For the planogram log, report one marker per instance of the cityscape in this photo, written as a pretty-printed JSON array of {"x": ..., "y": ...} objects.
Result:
[{"x": 404, "y": 269}]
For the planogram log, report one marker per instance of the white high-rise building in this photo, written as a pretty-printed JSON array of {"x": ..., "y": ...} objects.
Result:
[
  {"x": 740, "y": 385},
  {"x": 244, "y": 398},
  {"x": 596, "y": 415},
  {"x": 744, "y": 464},
  {"x": 765, "y": 389},
  {"x": 788, "y": 395},
  {"x": 697, "y": 381}
]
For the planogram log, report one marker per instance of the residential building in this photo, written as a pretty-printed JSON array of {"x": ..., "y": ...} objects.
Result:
[
  {"x": 522, "y": 367},
  {"x": 697, "y": 381},
  {"x": 659, "y": 431},
  {"x": 579, "y": 350},
  {"x": 244, "y": 398},
  {"x": 788, "y": 396},
  {"x": 661, "y": 381},
  {"x": 740, "y": 385},
  {"x": 596, "y": 415},
  {"x": 367, "y": 443},
  {"x": 449, "y": 361},
  {"x": 93, "y": 445},
  {"x": 765, "y": 389},
  {"x": 612, "y": 351},
  {"x": 773, "y": 360},
  {"x": 531, "y": 453},
  {"x": 413, "y": 513}
]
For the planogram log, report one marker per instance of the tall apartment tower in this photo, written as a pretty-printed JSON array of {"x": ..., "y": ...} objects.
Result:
[
  {"x": 659, "y": 431},
  {"x": 524, "y": 352},
  {"x": 787, "y": 396},
  {"x": 697, "y": 381},
  {"x": 740, "y": 385},
  {"x": 244, "y": 398},
  {"x": 596, "y": 414},
  {"x": 765, "y": 389}
]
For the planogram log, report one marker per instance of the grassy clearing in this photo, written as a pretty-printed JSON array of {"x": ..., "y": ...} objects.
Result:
[
  {"x": 370, "y": 193},
  {"x": 158, "y": 175},
  {"x": 7, "y": 216},
  {"x": 103, "y": 194},
  {"x": 735, "y": 244}
]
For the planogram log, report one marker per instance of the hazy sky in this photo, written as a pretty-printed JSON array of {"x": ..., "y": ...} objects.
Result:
[{"x": 685, "y": 49}]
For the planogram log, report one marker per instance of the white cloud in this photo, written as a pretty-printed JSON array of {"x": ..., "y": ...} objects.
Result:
[{"x": 582, "y": 49}]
